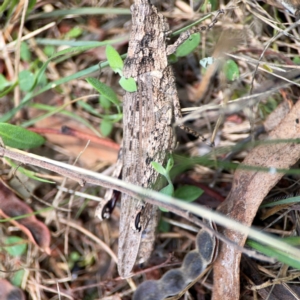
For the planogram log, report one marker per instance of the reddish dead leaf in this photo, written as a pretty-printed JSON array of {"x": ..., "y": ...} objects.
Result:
[
  {"x": 64, "y": 27},
  {"x": 9, "y": 292},
  {"x": 248, "y": 191},
  {"x": 11, "y": 206},
  {"x": 71, "y": 132},
  {"x": 74, "y": 145},
  {"x": 234, "y": 119}
]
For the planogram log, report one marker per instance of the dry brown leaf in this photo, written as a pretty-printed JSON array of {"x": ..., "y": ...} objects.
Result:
[
  {"x": 10, "y": 292},
  {"x": 11, "y": 206},
  {"x": 248, "y": 191},
  {"x": 74, "y": 146}
]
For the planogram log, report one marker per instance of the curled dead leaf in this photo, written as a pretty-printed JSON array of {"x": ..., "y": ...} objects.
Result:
[
  {"x": 11, "y": 206},
  {"x": 10, "y": 292}
]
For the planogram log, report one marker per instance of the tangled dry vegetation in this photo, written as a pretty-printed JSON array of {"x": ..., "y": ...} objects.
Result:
[{"x": 67, "y": 253}]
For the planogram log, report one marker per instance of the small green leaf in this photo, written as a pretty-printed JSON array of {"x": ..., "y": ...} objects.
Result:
[
  {"x": 189, "y": 45},
  {"x": 268, "y": 68},
  {"x": 26, "y": 80},
  {"x": 128, "y": 84},
  {"x": 214, "y": 4},
  {"x": 188, "y": 193},
  {"x": 296, "y": 59},
  {"x": 25, "y": 52},
  {"x": 172, "y": 59},
  {"x": 104, "y": 90},
  {"x": 231, "y": 70},
  {"x": 170, "y": 164},
  {"x": 18, "y": 246},
  {"x": 17, "y": 278},
  {"x": 18, "y": 137},
  {"x": 168, "y": 190},
  {"x": 159, "y": 168},
  {"x": 106, "y": 127},
  {"x": 163, "y": 226},
  {"x": 74, "y": 256},
  {"x": 74, "y": 32},
  {"x": 49, "y": 50},
  {"x": 114, "y": 59},
  {"x": 3, "y": 83},
  {"x": 104, "y": 102}
]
